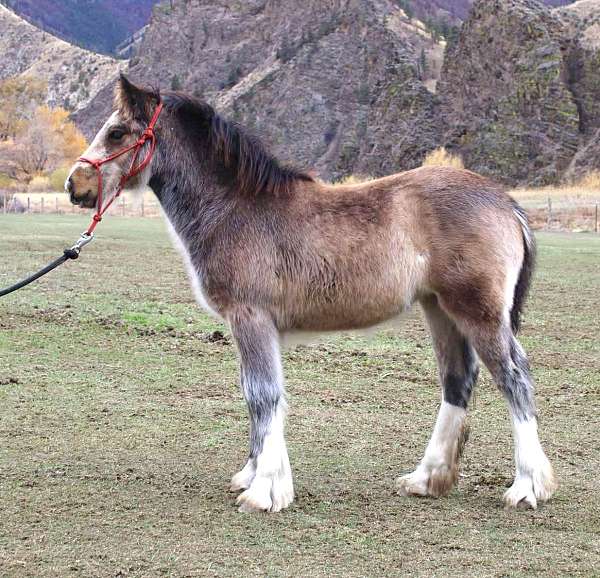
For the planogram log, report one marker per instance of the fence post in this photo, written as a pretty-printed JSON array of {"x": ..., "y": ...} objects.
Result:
[
  {"x": 56, "y": 203},
  {"x": 5, "y": 202},
  {"x": 29, "y": 204},
  {"x": 549, "y": 213}
]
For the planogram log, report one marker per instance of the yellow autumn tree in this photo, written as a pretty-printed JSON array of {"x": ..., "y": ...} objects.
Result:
[
  {"x": 19, "y": 98},
  {"x": 48, "y": 141}
]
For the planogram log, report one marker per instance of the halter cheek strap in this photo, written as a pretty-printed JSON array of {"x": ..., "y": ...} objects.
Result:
[{"x": 134, "y": 168}]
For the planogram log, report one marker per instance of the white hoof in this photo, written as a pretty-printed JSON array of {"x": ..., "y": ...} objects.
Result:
[
  {"x": 413, "y": 484},
  {"x": 433, "y": 481},
  {"x": 257, "y": 498},
  {"x": 529, "y": 490},
  {"x": 243, "y": 479},
  {"x": 271, "y": 494}
]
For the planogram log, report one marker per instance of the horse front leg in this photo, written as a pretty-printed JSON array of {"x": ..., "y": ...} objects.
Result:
[{"x": 267, "y": 477}]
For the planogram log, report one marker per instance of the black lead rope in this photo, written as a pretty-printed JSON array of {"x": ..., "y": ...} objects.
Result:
[{"x": 71, "y": 253}]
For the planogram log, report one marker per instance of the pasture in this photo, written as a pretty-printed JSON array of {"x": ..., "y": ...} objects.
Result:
[{"x": 121, "y": 423}]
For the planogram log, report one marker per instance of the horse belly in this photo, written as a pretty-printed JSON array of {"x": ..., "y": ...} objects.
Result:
[{"x": 363, "y": 302}]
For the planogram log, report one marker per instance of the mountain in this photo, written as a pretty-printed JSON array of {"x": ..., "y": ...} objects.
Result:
[
  {"x": 345, "y": 86},
  {"x": 354, "y": 86},
  {"x": 330, "y": 84},
  {"x": 520, "y": 90},
  {"x": 453, "y": 10},
  {"x": 98, "y": 25},
  {"x": 74, "y": 75}
]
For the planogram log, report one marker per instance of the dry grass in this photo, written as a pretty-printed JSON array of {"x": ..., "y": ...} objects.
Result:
[
  {"x": 353, "y": 180},
  {"x": 440, "y": 157},
  {"x": 121, "y": 423}
]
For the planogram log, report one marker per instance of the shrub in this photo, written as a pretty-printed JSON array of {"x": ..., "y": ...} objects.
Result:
[
  {"x": 39, "y": 184},
  {"x": 58, "y": 178},
  {"x": 353, "y": 180},
  {"x": 440, "y": 157},
  {"x": 590, "y": 180},
  {"x": 7, "y": 182}
]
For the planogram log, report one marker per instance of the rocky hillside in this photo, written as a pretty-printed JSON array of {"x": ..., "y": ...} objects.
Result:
[
  {"x": 520, "y": 90},
  {"x": 98, "y": 25},
  {"x": 452, "y": 10},
  {"x": 506, "y": 99},
  {"x": 336, "y": 88},
  {"x": 349, "y": 86},
  {"x": 584, "y": 20},
  {"x": 343, "y": 86},
  {"x": 74, "y": 76}
]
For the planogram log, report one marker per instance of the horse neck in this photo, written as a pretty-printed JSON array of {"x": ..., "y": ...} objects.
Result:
[{"x": 191, "y": 198}]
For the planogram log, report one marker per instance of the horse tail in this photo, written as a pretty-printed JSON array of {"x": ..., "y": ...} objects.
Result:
[{"x": 527, "y": 267}]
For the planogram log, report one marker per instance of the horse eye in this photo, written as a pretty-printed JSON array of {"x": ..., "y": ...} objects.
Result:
[{"x": 116, "y": 134}]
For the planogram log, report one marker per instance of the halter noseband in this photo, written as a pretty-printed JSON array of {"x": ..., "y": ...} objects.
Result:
[{"x": 134, "y": 169}]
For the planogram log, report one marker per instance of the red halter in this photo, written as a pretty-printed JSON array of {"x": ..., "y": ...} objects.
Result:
[{"x": 134, "y": 168}]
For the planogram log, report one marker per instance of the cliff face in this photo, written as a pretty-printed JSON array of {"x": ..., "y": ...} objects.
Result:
[
  {"x": 74, "y": 76},
  {"x": 330, "y": 85},
  {"x": 520, "y": 90},
  {"x": 584, "y": 21},
  {"x": 349, "y": 86},
  {"x": 506, "y": 99}
]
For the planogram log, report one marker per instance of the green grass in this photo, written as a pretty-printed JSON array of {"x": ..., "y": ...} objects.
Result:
[{"x": 121, "y": 422}]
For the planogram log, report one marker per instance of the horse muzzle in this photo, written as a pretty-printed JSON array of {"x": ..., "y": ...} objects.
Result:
[{"x": 82, "y": 187}]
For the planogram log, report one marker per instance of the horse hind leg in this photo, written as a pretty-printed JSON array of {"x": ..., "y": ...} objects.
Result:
[
  {"x": 487, "y": 325},
  {"x": 437, "y": 472},
  {"x": 534, "y": 478}
]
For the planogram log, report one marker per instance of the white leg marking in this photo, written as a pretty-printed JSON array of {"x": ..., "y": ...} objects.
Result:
[
  {"x": 272, "y": 488},
  {"x": 437, "y": 472},
  {"x": 534, "y": 479}
]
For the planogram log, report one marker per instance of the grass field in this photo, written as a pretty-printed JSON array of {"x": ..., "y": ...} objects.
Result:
[{"x": 121, "y": 423}]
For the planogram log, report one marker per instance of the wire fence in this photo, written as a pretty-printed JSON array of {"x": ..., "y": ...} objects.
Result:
[
  {"x": 558, "y": 214},
  {"x": 563, "y": 214},
  {"x": 144, "y": 205}
]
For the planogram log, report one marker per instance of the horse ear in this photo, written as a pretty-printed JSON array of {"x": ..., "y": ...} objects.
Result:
[{"x": 133, "y": 100}]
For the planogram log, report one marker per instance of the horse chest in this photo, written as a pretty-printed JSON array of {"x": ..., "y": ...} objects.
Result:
[{"x": 196, "y": 277}]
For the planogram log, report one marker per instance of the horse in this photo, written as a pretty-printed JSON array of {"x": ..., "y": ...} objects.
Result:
[{"x": 276, "y": 253}]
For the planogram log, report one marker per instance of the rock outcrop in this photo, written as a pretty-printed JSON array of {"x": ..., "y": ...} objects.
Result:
[
  {"x": 506, "y": 100},
  {"x": 584, "y": 20},
  {"x": 74, "y": 76}
]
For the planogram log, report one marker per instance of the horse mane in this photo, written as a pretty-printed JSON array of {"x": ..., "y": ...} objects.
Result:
[{"x": 240, "y": 158}]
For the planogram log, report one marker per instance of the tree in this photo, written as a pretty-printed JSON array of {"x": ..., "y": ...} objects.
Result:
[
  {"x": 49, "y": 140},
  {"x": 19, "y": 97},
  {"x": 176, "y": 82}
]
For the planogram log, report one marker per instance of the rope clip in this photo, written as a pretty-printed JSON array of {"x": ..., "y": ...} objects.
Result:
[{"x": 83, "y": 240}]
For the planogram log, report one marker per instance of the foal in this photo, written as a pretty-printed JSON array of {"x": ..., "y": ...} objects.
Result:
[{"x": 274, "y": 252}]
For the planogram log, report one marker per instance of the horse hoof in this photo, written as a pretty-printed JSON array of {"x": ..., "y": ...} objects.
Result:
[
  {"x": 411, "y": 485},
  {"x": 528, "y": 491},
  {"x": 257, "y": 498},
  {"x": 435, "y": 481},
  {"x": 267, "y": 495}
]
